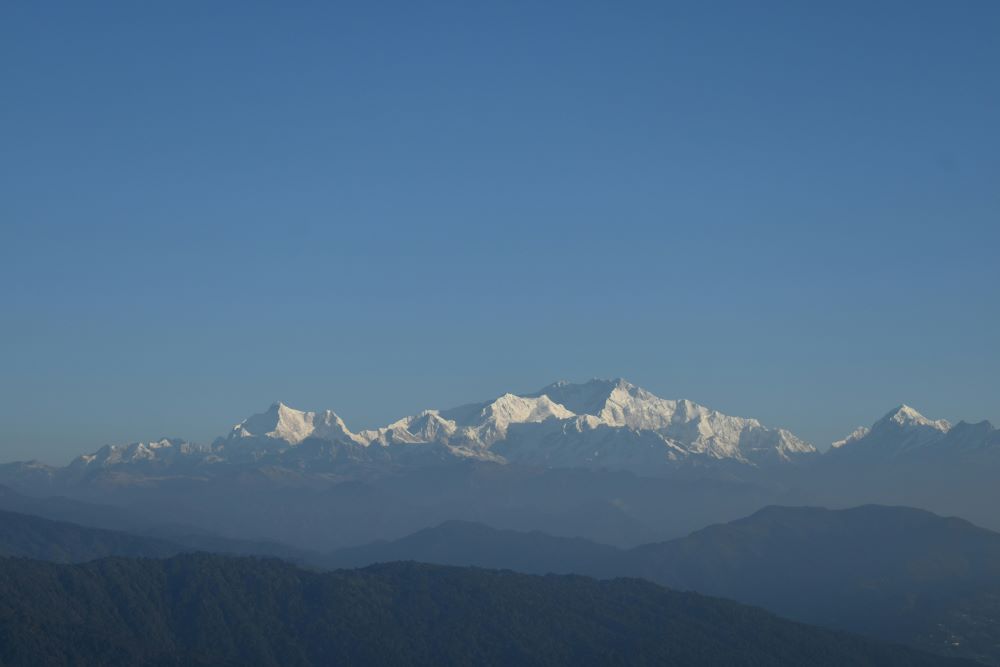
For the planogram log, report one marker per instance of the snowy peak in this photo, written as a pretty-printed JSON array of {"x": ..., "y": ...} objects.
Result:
[
  {"x": 634, "y": 407},
  {"x": 160, "y": 451},
  {"x": 692, "y": 427},
  {"x": 511, "y": 409},
  {"x": 428, "y": 426},
  {"x": 280, "y": 422},
  {"x": 477, "y": 424},
  {"x": 900, "y": 431},
  {"x": 906, "y": 417},
  {"x": 482, "y": 424},
  {"x": 616, "y": 402},
  {"x": 855, "y": 435},
  {"x": 587, "y": 398}
]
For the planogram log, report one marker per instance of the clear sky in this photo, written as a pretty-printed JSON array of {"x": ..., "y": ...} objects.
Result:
[{"x": 788, "y": 210}]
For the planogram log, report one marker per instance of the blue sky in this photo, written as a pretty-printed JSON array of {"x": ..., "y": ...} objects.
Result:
[{"x": 780, "y": 209}]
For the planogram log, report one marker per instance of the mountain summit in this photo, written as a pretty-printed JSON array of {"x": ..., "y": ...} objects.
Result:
[
  {"x": 280, "y": 422},
  {"x": 901, "y": 430},
  {"x": 906, "y": 417}
]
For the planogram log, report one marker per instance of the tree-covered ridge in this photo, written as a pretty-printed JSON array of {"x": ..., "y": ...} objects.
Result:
[
  {"x": 63, "y": 542},
  {"x": 888, "y": 572},
  {"x": 206, "y": 609}
]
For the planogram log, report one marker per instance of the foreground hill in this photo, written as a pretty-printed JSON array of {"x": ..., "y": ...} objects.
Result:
[{"x": 203, "y": 609}]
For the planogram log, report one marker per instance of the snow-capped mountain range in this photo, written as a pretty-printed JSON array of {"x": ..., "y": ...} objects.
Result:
[
  {"x": 609, "y": 424},
  {"x": 602, "y": 459},
  {"x": 600, "y": 424}
]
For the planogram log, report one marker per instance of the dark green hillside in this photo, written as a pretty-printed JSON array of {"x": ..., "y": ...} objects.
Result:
[{"x": 204, "y": 609}]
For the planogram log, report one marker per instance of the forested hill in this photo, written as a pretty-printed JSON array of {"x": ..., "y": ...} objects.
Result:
[
  {"x": 59, "y": 541},
  {"x": 206, "y": 609}
]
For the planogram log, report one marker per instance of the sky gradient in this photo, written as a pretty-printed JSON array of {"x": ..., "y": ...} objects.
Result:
[{"x": 788, "y": 211}]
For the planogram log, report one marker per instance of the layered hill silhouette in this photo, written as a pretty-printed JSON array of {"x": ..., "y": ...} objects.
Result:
[
  {"x": 890, "y": 572},
  {"x": 205, "y": 609},
  {"x": 63, "y": 530}
]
